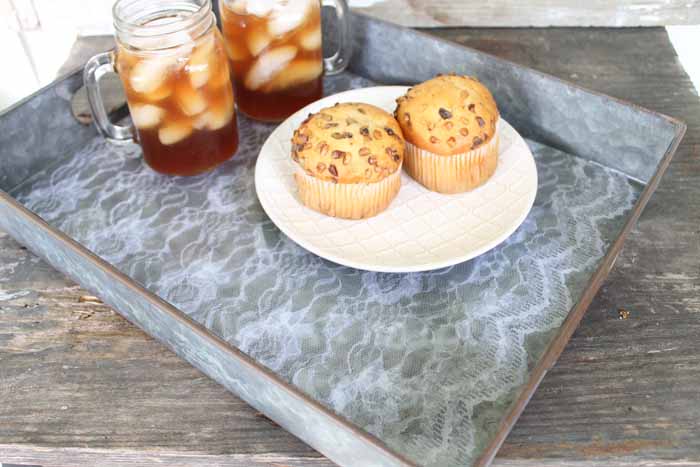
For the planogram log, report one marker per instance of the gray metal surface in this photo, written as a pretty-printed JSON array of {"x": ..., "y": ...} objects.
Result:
[
  {"x": 428, "y": 363},
  {"x": 541, "y": 107}
]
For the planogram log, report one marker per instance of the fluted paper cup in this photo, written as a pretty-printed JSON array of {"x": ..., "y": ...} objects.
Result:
[
  {"x": 455, "y": 173},
  {"x": 347, "y": 200}
]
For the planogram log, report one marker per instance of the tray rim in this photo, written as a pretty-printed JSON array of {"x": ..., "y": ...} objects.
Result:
[{"x": 551, "y": 353}]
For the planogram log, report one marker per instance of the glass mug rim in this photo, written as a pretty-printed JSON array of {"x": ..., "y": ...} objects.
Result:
[{"x": 130, "y": 20}]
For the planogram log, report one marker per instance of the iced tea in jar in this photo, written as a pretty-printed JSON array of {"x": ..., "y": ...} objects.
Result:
[
  {"x": 172, "y": 62},
  {"x": 274, "y": 47}
]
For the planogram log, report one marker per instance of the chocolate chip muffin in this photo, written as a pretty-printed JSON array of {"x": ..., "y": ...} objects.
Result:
[
  {"x": 349, "y": 158},
  {"x": 451, "y": 128}
]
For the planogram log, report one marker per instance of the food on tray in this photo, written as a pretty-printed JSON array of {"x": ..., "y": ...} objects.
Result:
[
  {"x": 275, "y": 51},
  {"x": 451, "y": 128},
  {"x": 181, "y": 102},
  {"x": 349, "y": 160}
]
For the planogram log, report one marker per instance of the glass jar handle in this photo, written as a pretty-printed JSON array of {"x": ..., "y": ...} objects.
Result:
[
  {"x": 339, "y": 61},
  {"x": 95, "y": 68}
]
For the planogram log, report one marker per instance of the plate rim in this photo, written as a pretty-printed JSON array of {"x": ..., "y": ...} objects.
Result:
[{"x": 344, "y": 261}]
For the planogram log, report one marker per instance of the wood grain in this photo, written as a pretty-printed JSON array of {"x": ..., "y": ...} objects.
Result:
[
  {"x": 518, "y": 13},
  {"x": 80, "y": 385}
]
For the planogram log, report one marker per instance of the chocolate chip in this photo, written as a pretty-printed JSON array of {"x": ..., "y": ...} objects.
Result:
[
  {"x": 477, "y": 142},
  {"x": 323, "y": 148},
  {"x": 372, "y": 160},
  {"x": 394, "y": 154},
  {"x": 338, "y": 135},
  {"x": 444, "y": 113},
  {"x": 364, "y": 131},
  {"x": 434, "y": 140},
  {"x": 377, "y": 134},
  {"x": 472, "y": 108},
  {"x": 321, "y": 167},
  {"x": 337, "y": 154},
  {"x": 361, "y": 110},
  {"x": 364, "y": 152},
  {"x": 449, "y": 125},
  {"x": 480, "y": 121},
  {"x": 330, "y": 125},
  {"x": 389, "y": 131},
  {"x": 299, "y": 147},
  {"x": 346, "y": 158},
  {"x": 463, "y": 131},
  {"x": 451, "y": 142},
  {"x": 333, "y": 170}
]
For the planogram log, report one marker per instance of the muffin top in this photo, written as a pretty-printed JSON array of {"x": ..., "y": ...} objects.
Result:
[
  {"x": 349, "y": 143},
  {"x": 448, "y": 114}
]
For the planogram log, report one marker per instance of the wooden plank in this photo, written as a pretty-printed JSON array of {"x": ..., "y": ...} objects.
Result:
[
  {"x": 79, "y": 385},
  {"x": 127, "y": 458},
  {"x": 540, "y": 13},
  {"x": 624, "y": 387},
  {"x": 78, "y": 374}
]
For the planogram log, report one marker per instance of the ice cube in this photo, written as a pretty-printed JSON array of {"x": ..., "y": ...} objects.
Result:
[
  {"x": 221, "y": 112},
  {"x": 165, "y": 90},
  {"x": 190, "y": 100},
  {"x": 296, "y": 73},
  {"x": 174, "y": 132},
  {"x": 260, "y": 8},
  {"x": 220, "y": 75},
  {"x": 148, "y": 74},
  {"x": 125, "y": 60},
  {"x": 146, "y": 115},
  {"x": 240, "y": 7},
  {"x": 257, "y": 41},
  {"x": 198, "y": 64},
  {"x": 311, "y": 40},
  {"x": 269, "y": 65},
  {"x": 218, "y": 114},
  {"x": 288, "y": 16},
  {"x": 235, "y": 50},
  {"x": 200, "y": 121}
]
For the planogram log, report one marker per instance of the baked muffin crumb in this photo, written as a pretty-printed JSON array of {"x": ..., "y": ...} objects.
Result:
[{"x": 340, "y": 143}]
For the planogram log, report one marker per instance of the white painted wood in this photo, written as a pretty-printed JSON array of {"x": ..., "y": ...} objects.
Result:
[{"x": 541, "y": 13}]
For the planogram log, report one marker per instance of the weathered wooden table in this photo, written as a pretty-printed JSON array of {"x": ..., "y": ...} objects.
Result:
[{"x": 79, "y": 385}]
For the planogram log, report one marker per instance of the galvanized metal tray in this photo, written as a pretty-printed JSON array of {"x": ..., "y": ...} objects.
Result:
[{"x": 370, "y": 369}]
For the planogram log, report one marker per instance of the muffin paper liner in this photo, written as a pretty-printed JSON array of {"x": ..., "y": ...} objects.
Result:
[
  {"x": 456, "y": 173},
  {"x": 347, "y": 200}
]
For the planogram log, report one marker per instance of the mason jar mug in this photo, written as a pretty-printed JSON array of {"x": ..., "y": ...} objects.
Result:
[
  {"x": 275, "y": 51},
  {"x": 172, "y": 62}
]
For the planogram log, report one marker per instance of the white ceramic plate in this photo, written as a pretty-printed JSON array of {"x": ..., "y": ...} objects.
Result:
[{"x": 420, "y": 230}]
